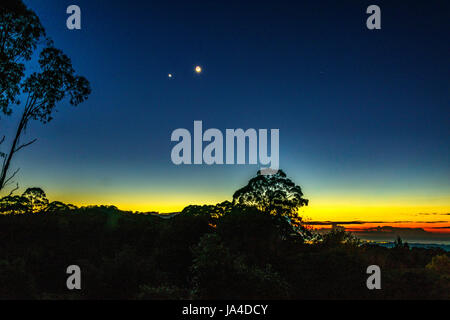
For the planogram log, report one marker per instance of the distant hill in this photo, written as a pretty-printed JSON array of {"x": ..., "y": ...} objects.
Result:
[
  {"x": 163, "y": 215},
  {"x": 445, "y": 247}
]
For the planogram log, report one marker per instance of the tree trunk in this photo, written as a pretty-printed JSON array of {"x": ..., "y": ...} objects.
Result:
[{"x": 5, "y": 168}]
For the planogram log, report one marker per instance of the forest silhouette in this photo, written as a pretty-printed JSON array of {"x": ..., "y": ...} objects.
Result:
[{"x": 255, "y": 247}]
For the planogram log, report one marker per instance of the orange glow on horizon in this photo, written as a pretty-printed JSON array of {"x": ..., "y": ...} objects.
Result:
[
  {"x": 403, "y": 212},
  {"x": 409, "y": 225}
]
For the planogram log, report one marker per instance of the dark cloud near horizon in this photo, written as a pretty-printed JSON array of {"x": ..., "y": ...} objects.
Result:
[
  {"x": 387, "y": 233},
  {"x": 432, "y": 214},
  {"x": 390, "y": 233}
]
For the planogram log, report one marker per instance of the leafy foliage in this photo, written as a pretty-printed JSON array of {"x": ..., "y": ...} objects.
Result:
[
  {"x": 55, "y": 80},
  {"x": 338, "y": 236},
  {"x": 36, "y": 198},
  {"x": 247, "y": 255},
  {"x": 14, "y": 205},
  {"x": 20, "y": 31},
  {"x": 212, "y": 211},
  {"x": 274, "y": 194}
]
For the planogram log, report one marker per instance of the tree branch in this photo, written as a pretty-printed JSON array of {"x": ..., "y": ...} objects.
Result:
[
  {"x": 7, "y": 181},
  {"x": 13, "y": 190},
  {"x": 25, "y": 145}
]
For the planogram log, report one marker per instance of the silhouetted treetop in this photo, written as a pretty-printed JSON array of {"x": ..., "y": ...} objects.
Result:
[
  {"x": 213, "y": 211},
  {"x": 275, "y": 194},
  {"x": 58, "y": 206},
  {"x": 37, "y": 199},
  {"x": 32, "y": 201},
  {"x": 14, "y": 205},
  {"x": 20, "y": 31},
  {"x": 55, "y": 79}
]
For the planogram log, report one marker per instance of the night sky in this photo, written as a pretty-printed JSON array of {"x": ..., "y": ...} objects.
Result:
[{"x": 363, "y": 114}]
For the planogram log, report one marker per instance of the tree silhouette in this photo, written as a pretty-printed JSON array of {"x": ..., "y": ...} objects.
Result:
[
  {"x": 246, "y": 256},
  {"x": 338, "y": 236},
  {"x": 212, "y": 211},
  {"x": 14, "y": 205},
  {"x": 274, "y": 194},
  {"x": 37, "y": 199},
  {"x": 58, "y": 206},
  {"x": 54, "y": 81},
  {"x": 399, "y": 244},
  {"x": 20, "y": 31}
]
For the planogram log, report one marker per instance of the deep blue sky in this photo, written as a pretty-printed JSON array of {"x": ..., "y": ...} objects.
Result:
[{"x": 363, "y": 115}]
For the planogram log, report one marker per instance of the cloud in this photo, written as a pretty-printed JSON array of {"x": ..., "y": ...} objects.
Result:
[
  {"x": 432, "y": 214},
  {"x": 425, "y": 232},
  {"x": 390, "y": 233},
  {"x": 327, "y": 223}
]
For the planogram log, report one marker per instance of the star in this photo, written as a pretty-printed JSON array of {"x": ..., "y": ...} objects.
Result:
[{"x": 198, "y": 69}]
